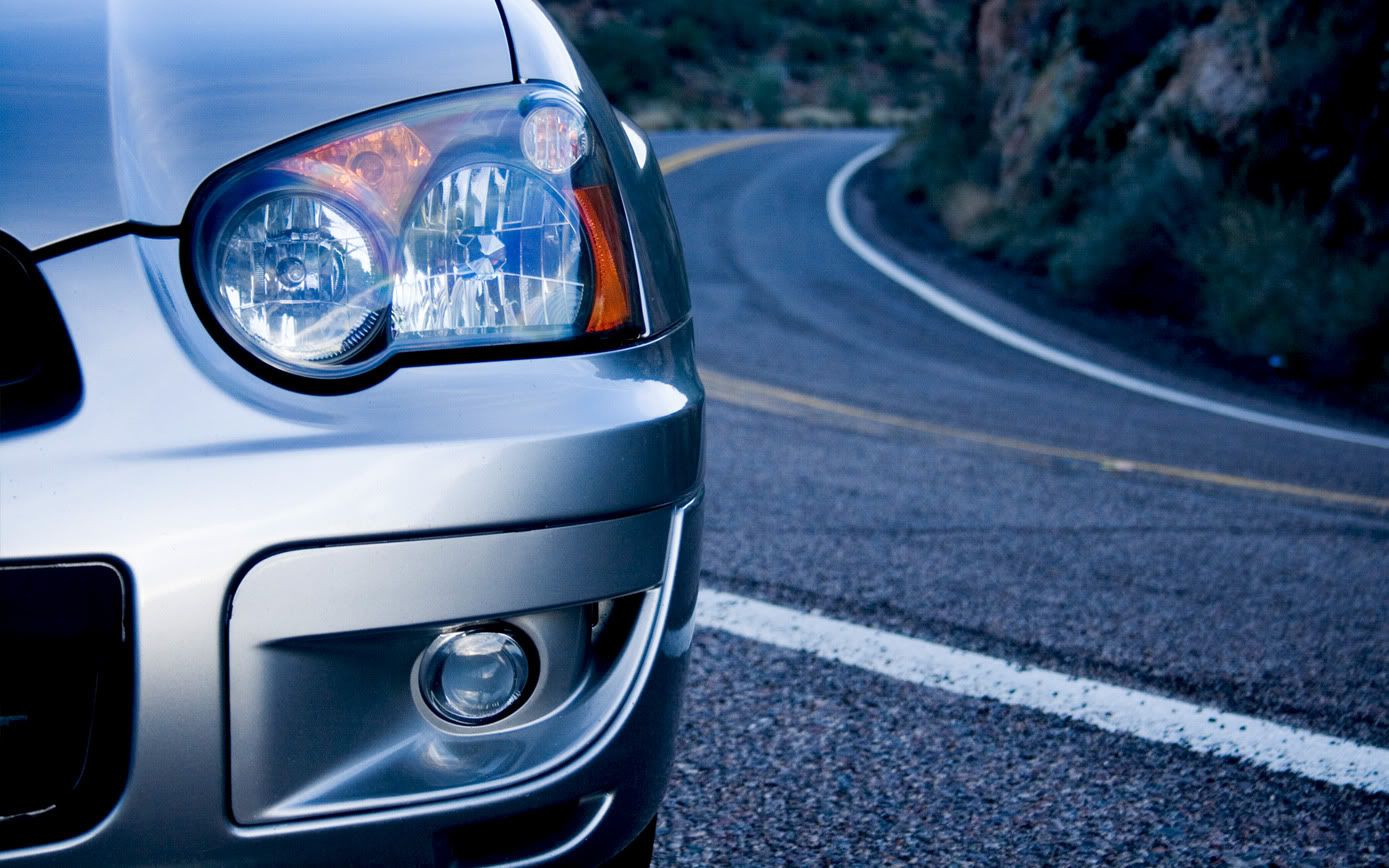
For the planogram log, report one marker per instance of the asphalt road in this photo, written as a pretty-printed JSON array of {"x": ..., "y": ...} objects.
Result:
[{"x": 1235, "y": 596}]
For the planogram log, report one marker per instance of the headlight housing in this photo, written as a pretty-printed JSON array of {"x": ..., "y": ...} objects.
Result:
[{"x": 487, "y": 221}]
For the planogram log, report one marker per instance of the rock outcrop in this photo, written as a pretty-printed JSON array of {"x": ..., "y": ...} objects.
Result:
[{"x": 1121, "y": 136}]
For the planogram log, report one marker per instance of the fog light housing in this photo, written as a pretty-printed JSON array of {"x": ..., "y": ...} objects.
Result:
[{"x": 478, "y": 675}]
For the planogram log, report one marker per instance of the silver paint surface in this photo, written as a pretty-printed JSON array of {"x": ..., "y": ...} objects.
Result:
[
  {"x": 304, "y": 690},
  {"x": 118, "y": 110},
  {"x": 194, "y": 473},
  {"x": 186, "y": 468}
]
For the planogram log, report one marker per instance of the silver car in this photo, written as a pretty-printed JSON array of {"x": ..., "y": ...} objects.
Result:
[{"x": 350, "y": 470}]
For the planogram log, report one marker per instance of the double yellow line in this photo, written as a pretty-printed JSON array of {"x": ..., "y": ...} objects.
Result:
[{"x": 789, "y": 402}]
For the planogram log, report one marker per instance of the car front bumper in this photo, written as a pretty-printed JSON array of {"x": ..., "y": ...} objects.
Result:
[{"x": 260, "y": 528}]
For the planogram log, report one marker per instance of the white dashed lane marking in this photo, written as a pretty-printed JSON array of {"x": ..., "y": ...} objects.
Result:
[{"x": 1148, "y": 716}]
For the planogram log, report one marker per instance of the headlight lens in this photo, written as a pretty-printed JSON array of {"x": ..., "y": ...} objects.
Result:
[
  {"x": 479, "y": 220},
  {"x": 491, "y": 251},
  {"x": 302, "y": 279}
]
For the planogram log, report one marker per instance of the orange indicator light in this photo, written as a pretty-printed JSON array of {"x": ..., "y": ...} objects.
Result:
[{"x": 611, "y": 308}]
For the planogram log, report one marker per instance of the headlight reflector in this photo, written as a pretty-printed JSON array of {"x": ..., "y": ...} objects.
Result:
[
  {"x": 484, "y": 219},
  {"x": 491, "y": 250},
  {"x": 301, "y": 278}
]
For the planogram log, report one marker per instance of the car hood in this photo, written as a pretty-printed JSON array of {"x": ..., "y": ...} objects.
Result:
[{"x": 116, "y": 110}]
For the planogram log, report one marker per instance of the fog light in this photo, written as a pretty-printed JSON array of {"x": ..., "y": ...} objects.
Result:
[{"x": 477, "y": 675}]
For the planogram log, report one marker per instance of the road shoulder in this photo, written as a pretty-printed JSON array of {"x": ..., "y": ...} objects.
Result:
[{"x": 1140, "y": 347}]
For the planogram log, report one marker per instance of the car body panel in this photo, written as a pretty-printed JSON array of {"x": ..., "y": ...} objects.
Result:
[
  {"x": 290, "y": 760},
  {"x": 188, "y": 470},
  {"x": 200, "y": 480},
  {"x": 542, "y": 52},
  {"x": 116, "y": 111},
  {"x": 547, "y": 440}
]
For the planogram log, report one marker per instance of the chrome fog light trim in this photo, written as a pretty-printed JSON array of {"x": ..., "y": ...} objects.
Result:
[{"x": 479, "y": 674}]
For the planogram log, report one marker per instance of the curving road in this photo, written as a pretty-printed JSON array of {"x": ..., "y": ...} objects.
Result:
[{"x": 876, "y": 462}]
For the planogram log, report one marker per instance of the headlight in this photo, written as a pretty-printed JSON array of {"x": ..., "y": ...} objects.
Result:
[
  {"x": 301, "y": 279},
  {"x": 475, "y": 222}
]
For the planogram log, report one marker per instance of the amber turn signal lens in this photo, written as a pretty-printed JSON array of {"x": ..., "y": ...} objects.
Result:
[{"x": 612, "y": 309}]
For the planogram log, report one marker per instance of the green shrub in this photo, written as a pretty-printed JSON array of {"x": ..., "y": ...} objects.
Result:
[
  {"x": 1123, "y": 251},
  {"x": 703, "y": 56},
  {"x": 735, "y": 23},
  {"x": 808, "y": 48},
  {"x": 1271, "y": 288},
  {"x": 764, "y": 93},
  {"x": 849, "y": 16},
  {"x": 843, "y": 95},
  {"x": 687, "y": 39},
  {"x": 627, "y": 60},
  {"x": 952, "y": 144},
  {"x": 905, "y": 51}
]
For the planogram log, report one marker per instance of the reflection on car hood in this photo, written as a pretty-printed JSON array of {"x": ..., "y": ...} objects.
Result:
[{"x": 114, "y": 110}]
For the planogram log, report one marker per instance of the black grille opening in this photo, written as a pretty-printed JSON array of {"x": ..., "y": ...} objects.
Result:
[
  {"x": 39, "y": 379},
  {"x": 66, "y": 691}
]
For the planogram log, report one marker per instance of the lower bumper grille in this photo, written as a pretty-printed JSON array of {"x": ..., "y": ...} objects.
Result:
[{"x": 66, "y": 686}]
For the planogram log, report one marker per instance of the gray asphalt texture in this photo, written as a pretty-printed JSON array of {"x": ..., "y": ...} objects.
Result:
[{"x": 1248, "y": 601}]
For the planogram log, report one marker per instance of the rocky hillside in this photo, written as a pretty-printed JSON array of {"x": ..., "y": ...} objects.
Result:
[{"x": 1220, "y": 163}]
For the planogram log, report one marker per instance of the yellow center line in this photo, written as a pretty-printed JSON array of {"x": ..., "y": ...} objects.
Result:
[
  {"x": 676, "y": 162},
  {"x": 775, "y": 399}
]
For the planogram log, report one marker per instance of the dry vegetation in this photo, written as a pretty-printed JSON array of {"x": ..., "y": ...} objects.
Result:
[
  {"x": 1217, "y": 163},
  {"x": 727, "y": 64}
]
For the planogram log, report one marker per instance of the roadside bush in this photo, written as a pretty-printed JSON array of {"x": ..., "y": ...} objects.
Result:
[
  {"x": 687, "y": 39},
  {"x": 1272, "y": 289},
  {"x": 849, "y": 16},
  {"x": 627, "y": 59},
  {"x": 843, "y": 95},
  {"x": 905, "y": 51},
  {"x": 697, "y": 62},
  {"x": 1124, "y": 251},
  {"x": 744, "y": 26},
  {"x": 807, "y": 49},
  {"x": 952, "y": 145},
  {"x": 764, "y": 94}
]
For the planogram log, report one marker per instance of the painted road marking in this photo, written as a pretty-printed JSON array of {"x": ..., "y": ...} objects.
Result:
[
  {"x": 1116, "y": 709},
  {"x": 676, "y": 162},
  {"x": 775, "y": 399},
  {"x": 839, "y": 220}
]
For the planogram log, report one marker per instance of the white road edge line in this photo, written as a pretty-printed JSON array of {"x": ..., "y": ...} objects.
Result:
[
  {"x": 834, "y": 204},
  {"x": 1116, "y": 709}
]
